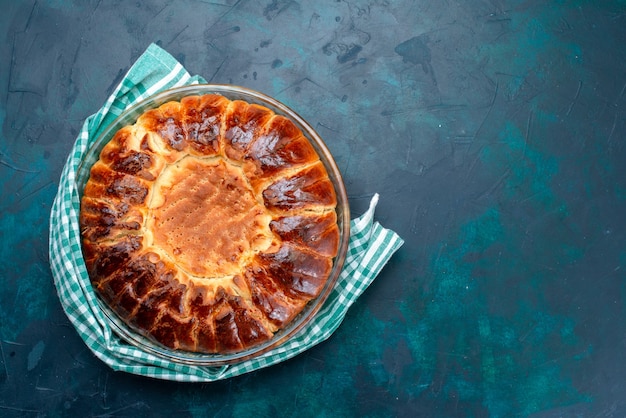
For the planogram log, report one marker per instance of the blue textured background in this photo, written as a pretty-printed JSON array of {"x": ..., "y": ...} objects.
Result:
[{"x": 494, "y": 132}]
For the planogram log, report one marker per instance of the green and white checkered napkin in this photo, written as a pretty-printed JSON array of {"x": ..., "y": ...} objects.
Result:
[{"x": 370, "y": 247}]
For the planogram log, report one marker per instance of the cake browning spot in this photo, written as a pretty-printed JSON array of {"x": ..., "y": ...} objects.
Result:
[{"x": 206, "y": 218}]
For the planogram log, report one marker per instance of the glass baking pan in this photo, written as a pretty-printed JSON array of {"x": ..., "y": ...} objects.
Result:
[{"x": 284, "y": 335}]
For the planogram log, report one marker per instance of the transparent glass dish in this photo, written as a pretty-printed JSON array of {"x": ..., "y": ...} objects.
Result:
[{"x": 129, "y": 117}]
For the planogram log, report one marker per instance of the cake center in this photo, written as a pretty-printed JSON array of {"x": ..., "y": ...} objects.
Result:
[{"x": 204, "y": 215}]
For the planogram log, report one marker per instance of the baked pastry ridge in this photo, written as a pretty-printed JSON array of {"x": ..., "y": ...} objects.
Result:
[{"x": 209, "y": 224}]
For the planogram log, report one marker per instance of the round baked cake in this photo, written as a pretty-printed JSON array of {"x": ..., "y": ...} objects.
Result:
[{"x": 209, "y": 224}]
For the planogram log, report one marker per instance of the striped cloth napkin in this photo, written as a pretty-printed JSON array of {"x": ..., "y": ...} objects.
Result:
[{"x": 370, "y": 248}]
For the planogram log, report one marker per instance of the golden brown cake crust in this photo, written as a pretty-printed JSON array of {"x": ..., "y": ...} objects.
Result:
[{"x": 209, "y": 224}]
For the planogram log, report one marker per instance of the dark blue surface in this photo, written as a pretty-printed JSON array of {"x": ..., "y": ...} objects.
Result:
[{"x": 494, "y": 132}]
